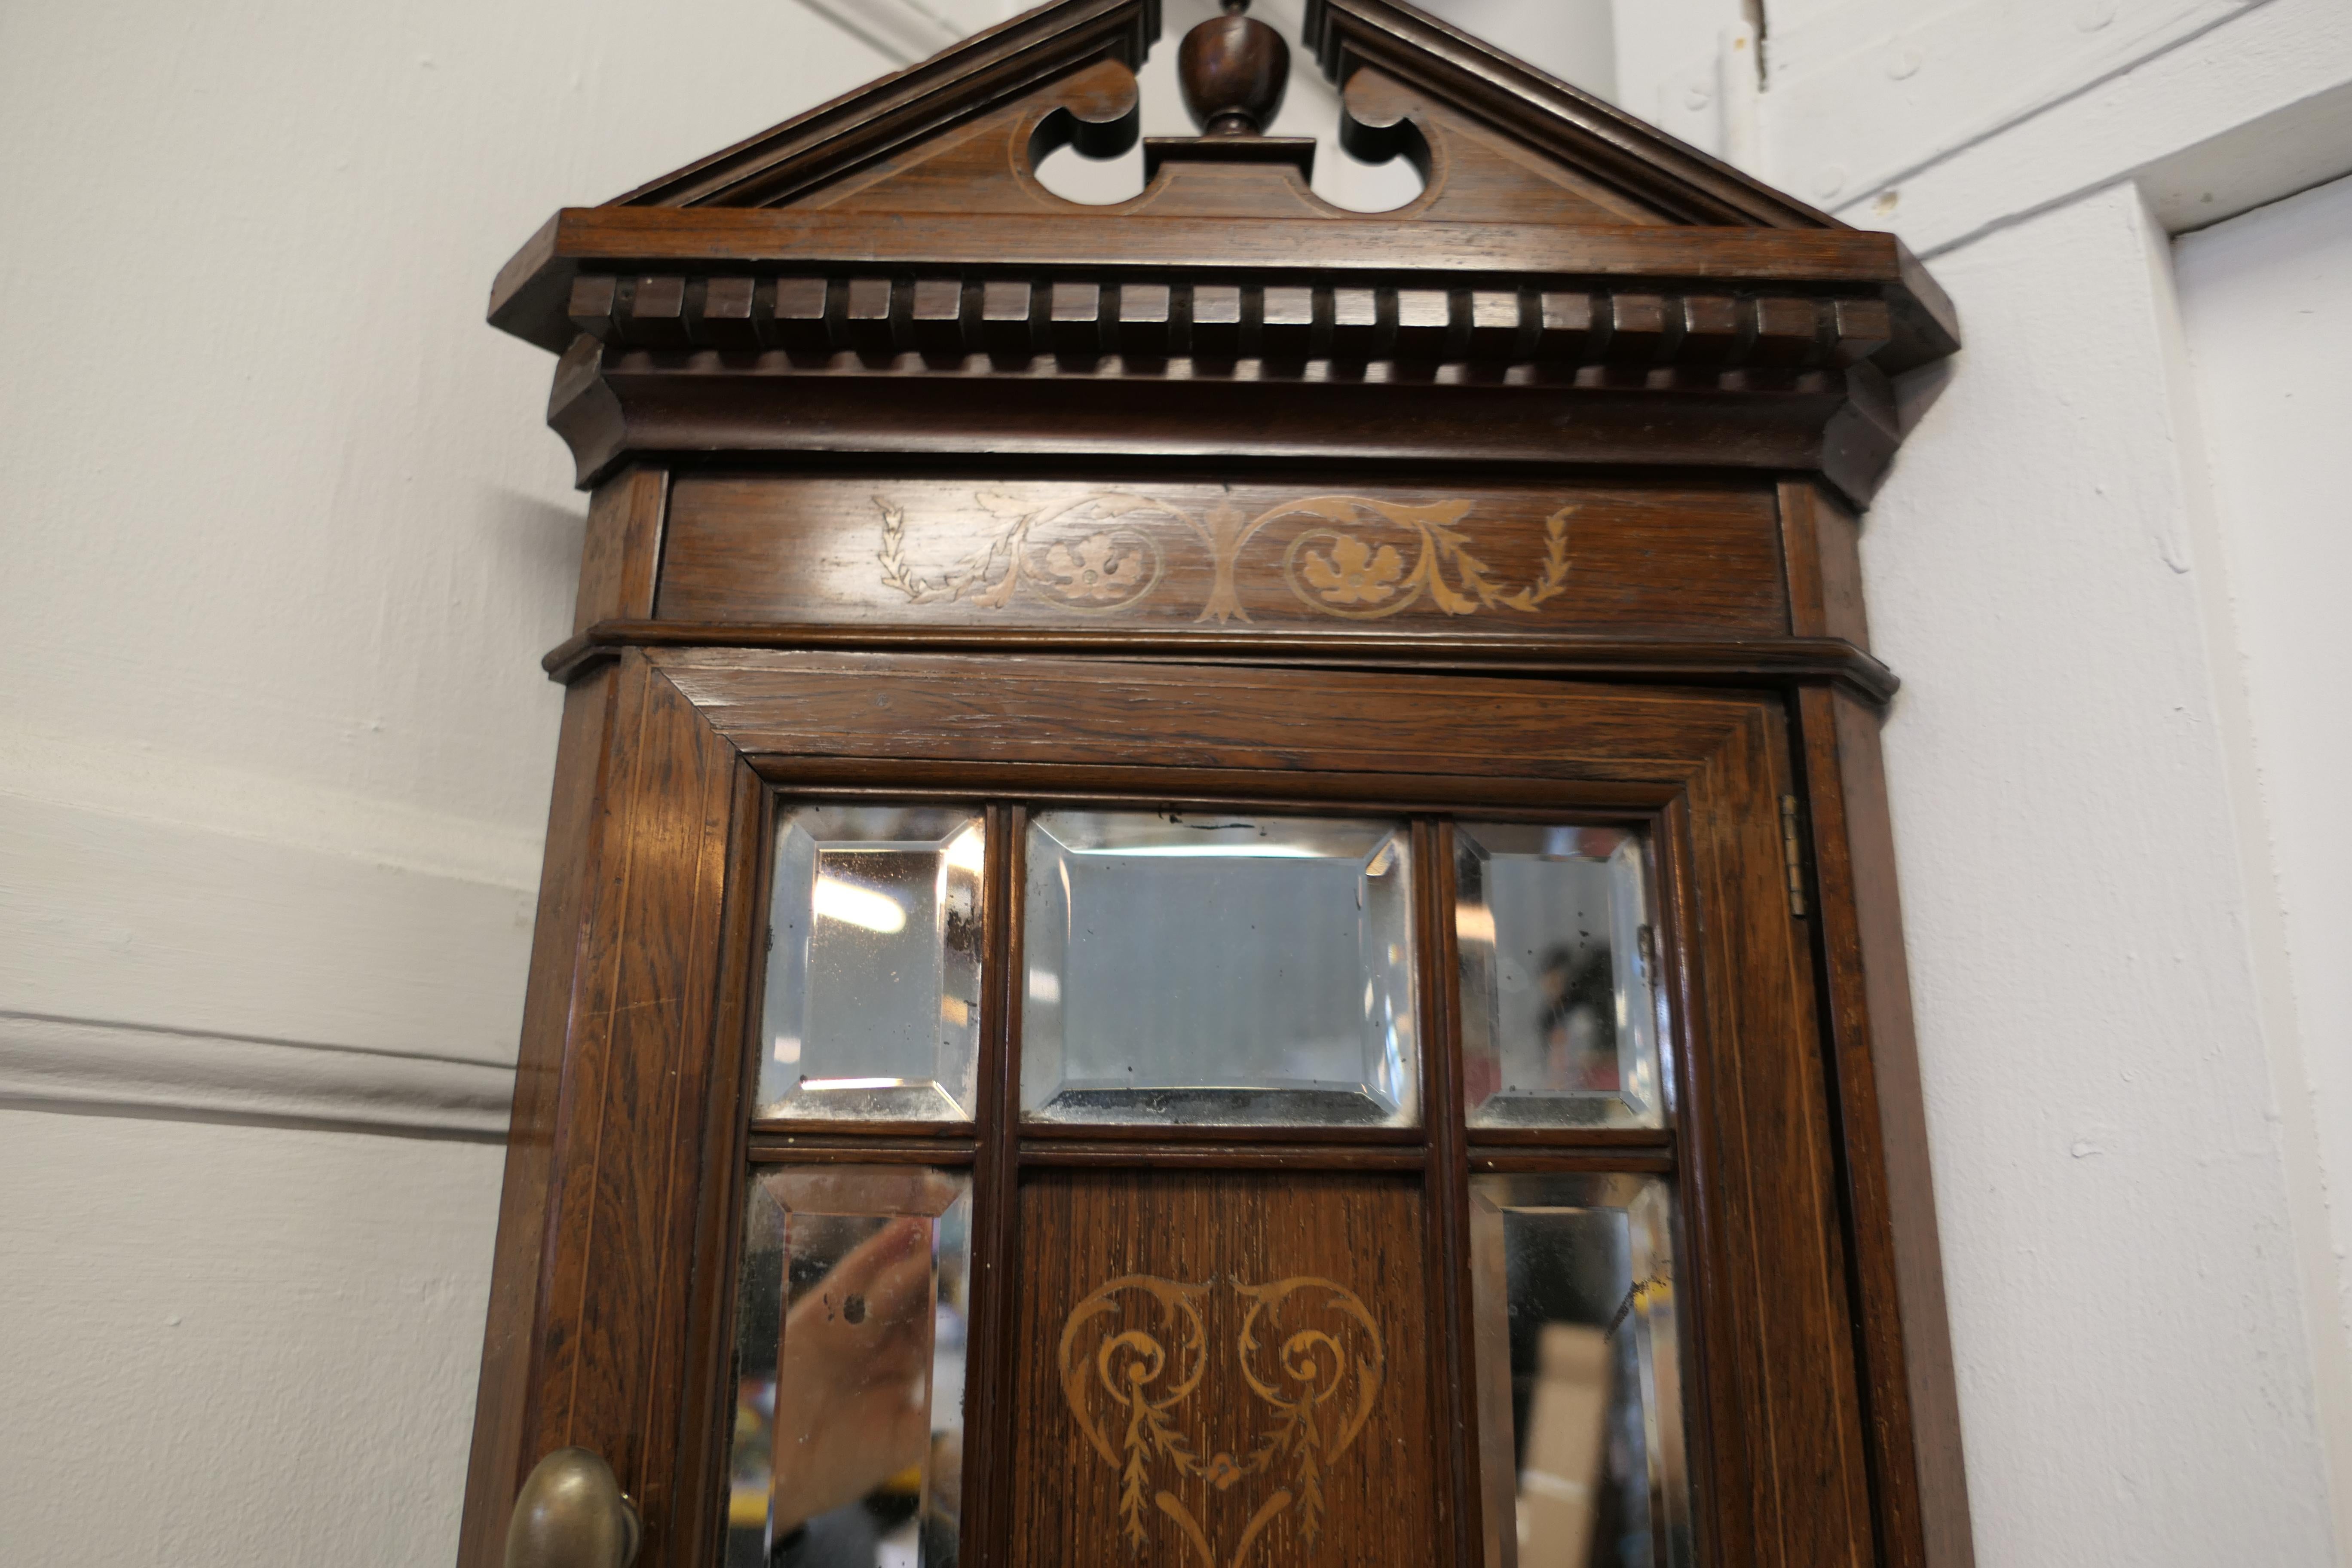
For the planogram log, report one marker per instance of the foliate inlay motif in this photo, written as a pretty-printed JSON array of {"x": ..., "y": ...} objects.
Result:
[
  {"x": 1355, "y": 557},
  {"x": 1134, "y": 1352}
]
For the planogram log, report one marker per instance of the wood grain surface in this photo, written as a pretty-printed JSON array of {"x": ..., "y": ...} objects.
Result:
[
  {"x": 1461, "y": 558},
  {"x": 621, "y": 555},
  {"x": 1905, "y": 1329},
  {"x": 1538, "y": 496},
  {"x": 603, "y": 1203},
  {"x": 797, "y": 708},
  {"x": 1082, "y": 1230}
]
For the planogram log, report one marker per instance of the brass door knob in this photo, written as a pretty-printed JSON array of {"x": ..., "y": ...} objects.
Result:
[{"x": 571, "y": 1513}]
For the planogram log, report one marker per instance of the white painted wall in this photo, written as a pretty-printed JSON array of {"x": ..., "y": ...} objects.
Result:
[
  {"x": 2267, "y": 300},
  {"x": 282, "y": 539},
  {"x": 233, "y": 1344},
  {"x": 2136, "y": 1385},
  {"x": 2103, "y": 760}
]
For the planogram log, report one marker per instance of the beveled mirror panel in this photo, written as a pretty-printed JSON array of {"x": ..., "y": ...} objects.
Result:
[
  {"x": 1579, "y": 1390},
  {"x": 874, "y": 961},
  {"x": 1218, "y": 969},
  {"x": 1559, "y": 993},
  {"x": 853, "y": 1295}
]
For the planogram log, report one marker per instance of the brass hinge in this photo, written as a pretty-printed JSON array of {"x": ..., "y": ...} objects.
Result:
[{"x": 1792, "y": 851}]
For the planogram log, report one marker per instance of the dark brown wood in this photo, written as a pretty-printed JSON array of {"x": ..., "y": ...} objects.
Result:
[
  {"x": 1905, "y": 1330},
  {"x": 510, "y": 1347},
  {"x": 821, "y": 1127},
  {"x": 1268, "y": 1153},
  {"x": 702, "y": 1390},
  {"x": 1783, "y": 1398},
  {"x": 1175, "y": 1138},
  {"x": 1543, "y": 112},
  {"x": 1629, "y": 1138},
  {"x": 1233, "y": 71},
  {"x": 1777, "y": 1305},
  {"x": 995, "y": 1366},
  {"x": 1823, "y": 541},
  {"x": 628, "y": 971},
  {"x": 1452, "y": 1360},
  {"x": 1536, "y": 497},
  {"x": 802, "y": 152},
  {"x": 533, "y": 292},
  {"x": 1069, "y": 711},
  {"x": 1566, "y": 1159},
  {"x": 621, "y": 555},
  {"x": 1213, "y": 1233},
  {"x": 613, "y": 405},
  {"x": 1464, "y": 560},
  {"x": 773, "y": 1149},
  {"x": 1737, "y": 661},
  {"x": 1216, "y": 788}
]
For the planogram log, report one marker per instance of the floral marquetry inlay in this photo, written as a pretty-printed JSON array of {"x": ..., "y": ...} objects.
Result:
[
  {"x": 1355, "y": 557},
  {"x": 1135, "y": 1355}
]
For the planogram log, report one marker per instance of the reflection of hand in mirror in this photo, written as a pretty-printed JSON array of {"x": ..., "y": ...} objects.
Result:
[{"x": 856, "y": 1352}]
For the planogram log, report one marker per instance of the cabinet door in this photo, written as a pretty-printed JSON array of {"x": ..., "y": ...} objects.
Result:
[{"x": 1029, "y": 1111}]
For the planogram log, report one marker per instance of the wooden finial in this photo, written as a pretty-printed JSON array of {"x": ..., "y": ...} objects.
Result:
[{"x": 1235, "y": 70}]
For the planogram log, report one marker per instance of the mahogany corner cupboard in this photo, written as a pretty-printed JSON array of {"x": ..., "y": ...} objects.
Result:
[{"x": 1219, "y": 892}]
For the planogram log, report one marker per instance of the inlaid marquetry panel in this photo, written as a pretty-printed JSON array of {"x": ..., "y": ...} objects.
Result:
[
  {"x": 1221, "y": 1371},
  {"x": 1327, "y": 556}
]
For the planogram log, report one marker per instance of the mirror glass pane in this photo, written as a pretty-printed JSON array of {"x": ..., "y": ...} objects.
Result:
[
  {"x": 1218, "y": 969},
  {"x": 848, "y": 1449},
  {"x": 875, "y": 944},
  {"x": 1580, "y": 1396},
  {"x": 1559, "y": 999}
]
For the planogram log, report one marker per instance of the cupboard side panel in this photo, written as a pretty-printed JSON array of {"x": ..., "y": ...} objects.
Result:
[
  {"x": 1822, "y": 542},
  {"x": 635, "y": 1049},
  {"x": 1905, "y": 1331},
  {"x": 497, "y": 1467},
  {"x": 620, "y": 556},
  {"x": 700, "y": 1386},
  {"x": 1792, "y": 1487}
]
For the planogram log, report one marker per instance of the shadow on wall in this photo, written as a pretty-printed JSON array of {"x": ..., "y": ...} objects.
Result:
[{"x": 539, "y": 534}]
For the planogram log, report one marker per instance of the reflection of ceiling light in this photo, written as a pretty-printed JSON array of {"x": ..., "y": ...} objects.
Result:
[
  {"x": 967, "y": 850},
  {"x": 854, "y": 905},
  {"x": 1474, "y": 922},
  {"x": 825, "y": 1083}
]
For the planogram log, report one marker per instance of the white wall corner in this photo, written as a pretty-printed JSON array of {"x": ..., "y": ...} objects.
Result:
[
  {"x": 2264, "y": 926},
  {"x": 2287, "y": 1041},
  {"x": 2241, "y": 101},
  {"x": 1869, "y": 95},
  {"x": 2120, "y": 1236}
]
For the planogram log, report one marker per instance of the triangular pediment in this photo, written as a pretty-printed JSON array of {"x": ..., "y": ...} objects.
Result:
[
  {"x": 1495, "y": 139},
  {"x": 1401, "y": 69},
  {"x": 888, "y": 269}
]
